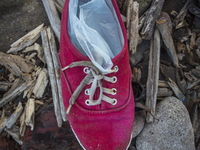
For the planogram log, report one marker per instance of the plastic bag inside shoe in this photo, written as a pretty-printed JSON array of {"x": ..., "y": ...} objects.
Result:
[{"x": 94, "y": 30}]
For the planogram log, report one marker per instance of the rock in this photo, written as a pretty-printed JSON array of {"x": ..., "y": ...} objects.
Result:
[
  {"x": 173, "y": 131},
  {"x": 139, "y": 121}
]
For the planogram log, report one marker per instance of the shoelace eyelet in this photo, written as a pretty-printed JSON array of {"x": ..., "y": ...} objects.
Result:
[
  {"x": 114, "y": 79},
  {"x": 114, "y": 91},
  {"x": 86, "y": 70},
  {"x": 87, "y": 92},
  {"x": 87, "y": 102},
  {"x": 116, "y": 68},
  {"x": 114, "y": 102}
]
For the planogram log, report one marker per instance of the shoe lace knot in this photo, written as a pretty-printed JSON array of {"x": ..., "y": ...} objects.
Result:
[{"x": 94, "y": 76}]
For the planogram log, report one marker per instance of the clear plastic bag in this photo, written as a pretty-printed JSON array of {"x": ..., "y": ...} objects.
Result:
[{"x": 93, "y": 31}]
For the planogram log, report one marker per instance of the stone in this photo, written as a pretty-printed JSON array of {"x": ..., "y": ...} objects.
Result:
[
  {"x": 173, "y": 131},
  {"x": 139, "y": 122}
]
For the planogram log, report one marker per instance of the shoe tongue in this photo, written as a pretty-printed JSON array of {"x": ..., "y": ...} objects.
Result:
[{"x": 93, "y": 32}]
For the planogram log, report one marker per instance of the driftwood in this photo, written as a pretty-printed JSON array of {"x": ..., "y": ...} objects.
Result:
[
  {"x": 193, "y": 84},
  {"x": 15, "y": 84},
  {"x": 150, "y": 19},
  {"x": 11, "y": 77},
  {"x": 164, "y": 92},
  {"x": 132, "y": 25},
  {"x": 26, "y": 40},
  {"x": 189, "y": 76},
  {"x": 56, "y": 66},
  {"x": 52, "y": 76},
  {"x": 30, "y": 57},
  {"x": 162, "y": 84},
  {"x": 15, "y": 93},
  {"x": 136, "y": 74},
  {"x": 165, "y": 30},
  {"x": 16, "y": 64},
  {"x": 4, "y": 86},
  {"x": 153, "y": 74},
  {"x": 176, "y": 90},
  {"x": 14, "y": 132},
  {"x": 3, "y": 123},
  {"x": 30, "y": 91},
  {"x": 13, "y": 118},
  {"x": 196, "y": 73},
  {"x": 141, "y": 20},
  {"x": 53, "y": 17},
  {"x": 59, "y": 4},
  {"x": 180, "y": 17},
  {"x": 41, "y": 84},
  {"x": 38, "y": 48},
  {"x": 30, "y": 113},
  {"x": 124, "y": 19},
  {"x": 140, "y": 105},
  {"x": 22, "y": 123}
]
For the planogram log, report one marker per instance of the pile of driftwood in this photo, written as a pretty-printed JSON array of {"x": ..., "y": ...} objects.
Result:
[
  {"x": 182, "y": 47},
  {"x": 30, "y": 78}
]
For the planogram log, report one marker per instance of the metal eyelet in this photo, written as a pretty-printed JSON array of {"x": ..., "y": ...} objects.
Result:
[
  {"x": 114, "y": 79},
  {"x": 114, "y": 102},
  {"x": 86, "y": 70},
  {"x": 114, "y": 91},
  {"x": 116, "y": 68},
  {"x": 87, "y": 92},
  {"x": 87, "y": 102}
]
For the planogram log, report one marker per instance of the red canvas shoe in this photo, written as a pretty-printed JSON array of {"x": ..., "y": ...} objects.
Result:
[{"x": 104, "y": 123}]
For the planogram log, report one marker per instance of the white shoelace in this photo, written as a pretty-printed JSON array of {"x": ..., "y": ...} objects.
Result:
[{"x": 93, "y": 76}]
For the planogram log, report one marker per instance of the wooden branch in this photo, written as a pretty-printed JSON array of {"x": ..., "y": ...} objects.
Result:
[
  {"x": 151, "y": 17},
  {"x": 11, "y": 77},
  {"x": 30, "y": 113},
  {"x": 16, "y": 83},
  {"x": 4, "y": 86},
  {"x": 3, "y": 123},
  {"x": 153, "y": 74},
  {"x": 53, "y": 16},
  {"x": 26, "y": 40},
  {"x": 180, "y": 17},
  {"x": 193, "y": 84},
  {"x": 38, "y": 48},
  {"x": 132, "y": 25},
  {"x": 59, "y": 4},
  {"x": 13, "y": 118},
  {"x": 30, "y": 91},
  {"x": 16, "y": 64},
  {"x": 56, "y": 65},
  {"x": 163, "y": 26},
  {"x": 52, "y": 76},
  {"x": 124, "y": 19},
  {"x": 176, "y": 90},
  {"x": 15, "y": 93},
  {"x": 14, "y": 132},
  {"x": 140, "y": 105},
  {"x": 142, "y": 20},
  {"x": 41, "y": 84},
  {"x": 162, "y": 84},
  {"x": 22, "y": 123},
  {"x": 164, "y": 92}
]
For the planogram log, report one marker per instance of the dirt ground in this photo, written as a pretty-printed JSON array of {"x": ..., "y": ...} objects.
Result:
[{"x": 18, "y": 17}]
